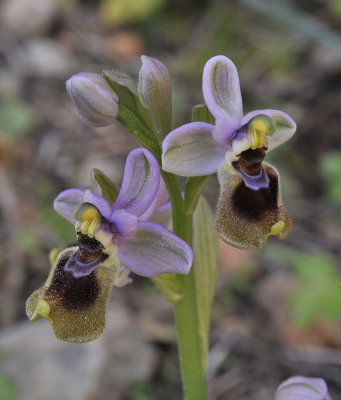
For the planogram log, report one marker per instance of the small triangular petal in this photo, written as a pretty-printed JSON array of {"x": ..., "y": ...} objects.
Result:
[
  {"x": 221, "y": 89},
  {"x": 75, "y": 307},
  {"x": 246, "y": 217}
]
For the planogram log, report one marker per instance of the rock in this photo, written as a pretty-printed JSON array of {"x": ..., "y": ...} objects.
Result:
[
  {"x": 43, "y": 368},
  {"x": 47, "y": 58},
  {"x": 27, "y": 17}
]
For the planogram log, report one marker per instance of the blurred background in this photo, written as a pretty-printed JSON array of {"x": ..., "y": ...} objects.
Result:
[{"x": 277, "y": 311}]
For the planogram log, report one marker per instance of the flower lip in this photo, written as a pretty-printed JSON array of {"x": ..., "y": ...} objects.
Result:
[
  {"x": 249, "y": 165},
  {"x": 74, "y": 305},
  {"x": 247, "y": 217},
  {"x": 256, "y": 203},
  {"x": 85, "y": 289},
  {"x": 80, "y": 268},
  {"x": 88, "y": 256},
  {"x": 256, "y": 181}
]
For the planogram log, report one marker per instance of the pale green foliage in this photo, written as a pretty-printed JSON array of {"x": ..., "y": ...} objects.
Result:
[
  {"x": 200, "y": 112},
  {"x": 117, "y": 12},
  {"x": 102, "y": 185},
  {"x": 7, "y": 389},
  {"x": 205, "y": 267},
  {"x": 16, "y": 118},
  {"x": 331, "y": 170},
  {"x": 319, "y": 291},
  {"x": 131, "y": 113},
  {"x": 169, "y": 286},
  {"x": 336, "y": 6}
]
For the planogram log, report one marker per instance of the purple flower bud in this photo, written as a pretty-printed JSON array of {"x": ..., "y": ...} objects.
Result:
[
  {"x": 301, "y": 388},
  {"x": 155, "y": 93},
  {"x": 96, "y": 102}
]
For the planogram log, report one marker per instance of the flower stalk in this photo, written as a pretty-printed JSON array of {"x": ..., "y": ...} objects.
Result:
[
  {"x": 191, "y": 351},
  {"x": 128, "y": 229}
]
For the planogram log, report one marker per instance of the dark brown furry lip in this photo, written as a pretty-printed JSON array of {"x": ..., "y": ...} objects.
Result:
[
  {"x": 75, "y": 294},
  {"x": 253, "y": 204}
]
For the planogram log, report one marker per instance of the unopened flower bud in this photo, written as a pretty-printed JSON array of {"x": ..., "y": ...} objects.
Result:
[
  {"x": 96, "y": 102},
  {"x": 155, "y": 94},
  {"x": 299, "y": 388}
]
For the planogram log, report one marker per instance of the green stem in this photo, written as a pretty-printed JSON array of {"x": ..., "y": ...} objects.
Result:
[
  {"x": 194, "y": 187},
  {"x": 187, "y": 321},
  {"x": 193, "y": 372},
  {"x": 176, "y": 199}
]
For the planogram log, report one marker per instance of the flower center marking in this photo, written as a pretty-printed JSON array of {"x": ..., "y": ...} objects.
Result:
[
  {"x": 89, "y": 218},
  {"x": 259, "y": 128}
]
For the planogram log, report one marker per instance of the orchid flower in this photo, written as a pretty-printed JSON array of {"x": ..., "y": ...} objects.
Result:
[
  {"x": 250, "y": 207},
  {"x": 301, "y": 388},
  {"x": 112, "y": 239}
]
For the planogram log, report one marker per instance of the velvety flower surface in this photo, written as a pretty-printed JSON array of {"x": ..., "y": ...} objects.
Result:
[
  {"x": 111, "y": 240},
  {"x": 301, "y": 388},
  {"x": 236, "y": 146}
]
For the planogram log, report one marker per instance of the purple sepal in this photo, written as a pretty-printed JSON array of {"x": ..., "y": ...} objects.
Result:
[
  {"x": 191, "y": 150},
  {"x": 154, "y": 250},
  {"x": 221, "y": 89},
  {"x": 159, "y": 201},
  {"x": 69, "y": 200},
  {"x": 140, "y": 182}
]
